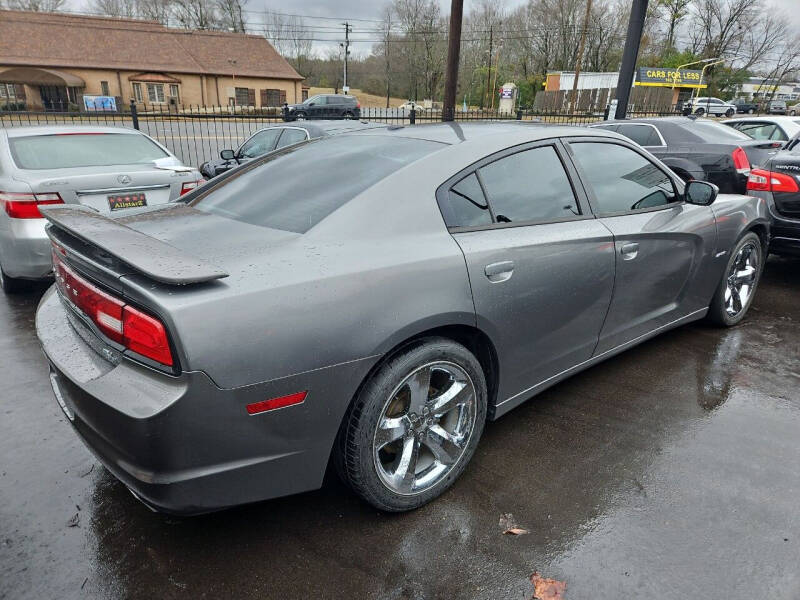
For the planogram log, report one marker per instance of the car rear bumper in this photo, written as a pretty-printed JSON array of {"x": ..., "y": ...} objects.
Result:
[
  {"x": 785, "y": 231},
  {"x": 181, "y": 444},
  {"x": 25, "y": 249}
]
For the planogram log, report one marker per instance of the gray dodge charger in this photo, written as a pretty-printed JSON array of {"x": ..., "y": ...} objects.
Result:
[{"x": 371, "y": 300}]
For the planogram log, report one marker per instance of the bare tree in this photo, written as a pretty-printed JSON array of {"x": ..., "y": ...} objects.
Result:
[
  {"x": 117, "y": 8},
  {"x": 37, "y": 5},
  {"x": 154, "y": 10},
  {"x": 196, "y": 14},
  {"x": 231, "y": 15}
]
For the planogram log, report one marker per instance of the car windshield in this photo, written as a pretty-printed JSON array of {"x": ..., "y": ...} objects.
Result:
[
  {"x": 295, "y": 189},
  {"x": 65, "y": 150},
  {"x": 710, "y": 132}
]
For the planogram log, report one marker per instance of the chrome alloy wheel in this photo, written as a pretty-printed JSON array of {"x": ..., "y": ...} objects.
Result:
[
  {"x": 741, "y": 279},
  {"x": 424, "y": 427}
]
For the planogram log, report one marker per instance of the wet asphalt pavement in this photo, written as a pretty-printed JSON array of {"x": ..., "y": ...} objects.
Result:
[{"x": 670, "y": 471}]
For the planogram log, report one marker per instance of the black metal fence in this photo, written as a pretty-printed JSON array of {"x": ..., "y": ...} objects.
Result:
[{"x": 196, "y": 134}]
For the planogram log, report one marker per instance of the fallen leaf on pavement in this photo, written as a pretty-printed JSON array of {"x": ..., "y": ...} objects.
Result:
[
  {"x": 73, "y": 522},
  {"x": 547, "y": 589},
  {"x": 509, "y": 526}
]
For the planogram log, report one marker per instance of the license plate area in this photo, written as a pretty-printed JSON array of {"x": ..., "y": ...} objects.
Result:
[{"x": 123, "y": 201}]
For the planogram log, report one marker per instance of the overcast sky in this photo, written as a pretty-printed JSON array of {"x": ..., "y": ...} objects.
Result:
[{"x": 329, "y": 14}]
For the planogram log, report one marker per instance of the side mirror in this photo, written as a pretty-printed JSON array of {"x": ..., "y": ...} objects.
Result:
[
  {"x": 311, "y": 103},
  {"x": 227, "y": 154},
  {"x": 700, "y": 193}
]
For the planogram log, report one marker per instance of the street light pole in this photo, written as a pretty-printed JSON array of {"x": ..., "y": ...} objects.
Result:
[
  {"x": 632, "y": 40},
  {"x": 453, "y": 51},
  {"x": 346, "y": 52}
]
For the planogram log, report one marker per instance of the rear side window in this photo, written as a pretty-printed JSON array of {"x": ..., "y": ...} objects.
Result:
[
  {"x": 292, "y": 136},
  {"x": 644, "y": 135},
  {"x": 296, "y": 188},
  {"x": 465, "y": 204},
  {"x": 531, "y": 185},
  {"x": 622, "y": 180},
  {"x": 62, "y": 151}
]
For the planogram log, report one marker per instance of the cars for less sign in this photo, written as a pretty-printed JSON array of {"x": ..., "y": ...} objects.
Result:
[{"x": 665, "y": 77}]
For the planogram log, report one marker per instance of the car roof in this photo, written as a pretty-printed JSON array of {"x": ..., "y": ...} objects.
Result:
[
  {"x": 26, "y": 130},
  {"x": 514, "y": 132}
]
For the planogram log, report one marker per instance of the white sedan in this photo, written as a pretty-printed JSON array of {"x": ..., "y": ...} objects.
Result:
[{"x": 777, "y": 128}]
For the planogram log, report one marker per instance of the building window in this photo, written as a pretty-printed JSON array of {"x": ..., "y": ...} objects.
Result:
[
  {"x": 6, "y": 90},
  {"x": 242, "y": 96},
  {"x": 270, "y": 97},
  {"x": 155, "y": 92},
  {"x": 137, "y": 92},
  {"x": 173, "y": 92},
  {"x": 104, "y": 91}
]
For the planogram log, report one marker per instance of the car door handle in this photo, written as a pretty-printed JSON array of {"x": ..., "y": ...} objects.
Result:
[
  {"x": 499, "y": 271},
  {"x": 629, "y": 251}
]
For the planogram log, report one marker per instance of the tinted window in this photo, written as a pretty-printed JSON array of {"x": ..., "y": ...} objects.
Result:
[
  {"x": 292, "y": 136},
  {"x": 644, "y": 135},
  {"x": 260, "y": 143},
  {"x": 465, "y": 204},
  {"x": 296, "y": 188},
  {"x": 711, "y": 132},
  {"x": 622, "y": 180},
  {"x": 84, "y": 150},
  {"x": 529, "y": 186}
]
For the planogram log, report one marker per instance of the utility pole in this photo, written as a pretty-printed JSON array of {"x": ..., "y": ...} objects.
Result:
[
  {"x": 579, "y": 60},
  {"x": 453, "y": 50},
  {"x": 629, "y": 54},
  {"x": 346, "y": 45},
  {"x": 489, "y": 72}
]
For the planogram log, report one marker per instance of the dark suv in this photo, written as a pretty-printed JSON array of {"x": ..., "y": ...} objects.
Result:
[{"x": 324, "y": 106}]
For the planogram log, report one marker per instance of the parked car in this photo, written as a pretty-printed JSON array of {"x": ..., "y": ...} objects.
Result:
[
  {"x": 698, "y": 148},
  {"x": 411, "y": 105},
  {"x": 108, "y": 169},
  {"x": 710, "y": 106},
  {"x": 779, "y": 129},
  {"x": 776, "y": 107},
  {"x": 744, "y": 106},
  {"x": 324, "y": 106},
  {"x": 277, "y": 137},
  {"x": 778, "y": 182},
  {"x": 794, "y": 109},
  {"x": 373, "y": 298}
]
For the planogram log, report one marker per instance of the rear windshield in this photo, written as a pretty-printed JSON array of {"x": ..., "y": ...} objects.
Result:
[
  {"x": 711, "y": 133},
  {"x": 295, "y": 189},
  {"x": 60, "y": 151}
]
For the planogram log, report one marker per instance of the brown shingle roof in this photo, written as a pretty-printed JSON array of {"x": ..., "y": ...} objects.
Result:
[{"x": 60, "y": 40}]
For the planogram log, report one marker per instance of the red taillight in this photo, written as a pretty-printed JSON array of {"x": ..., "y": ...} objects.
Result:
[
  {"x": 121, "y": 323},
  {"x": 145, "y": 335},
  {"x": 740, "y": 161},
  {"x": 188, "y": 186},
  {"x": 26, "y": 206},
  {"x": 274, "y": 403},
  {"x": 358, "y": 104},
  {"x": 761, "y": 180}
]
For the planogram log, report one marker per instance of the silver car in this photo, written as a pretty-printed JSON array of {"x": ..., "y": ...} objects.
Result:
[
  {"x": 108, "y": 169},
  {"x": 372, "y": 299}
]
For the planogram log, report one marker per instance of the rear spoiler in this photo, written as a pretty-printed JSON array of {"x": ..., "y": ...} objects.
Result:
[{"x": 148, "y": 255}]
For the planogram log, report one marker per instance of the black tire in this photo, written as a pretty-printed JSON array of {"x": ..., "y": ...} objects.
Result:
[
  {"x": 750, "y": 111},
  {"x": 300, "y": 116},
  {"x": 700, "y": 112},
  {"x": 354, "y": 453},
  {"x": 13, "y": 285},
  {"x": 717, "y": 312},
  {"x": 730, "y": 112},
  {"x": 348, "y": 115},
  {"x": 792, "y": 113}
]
